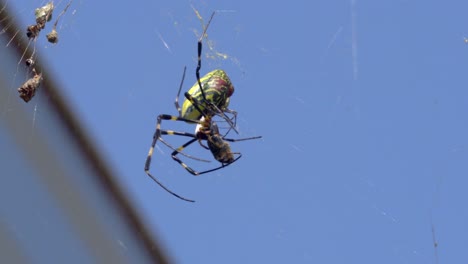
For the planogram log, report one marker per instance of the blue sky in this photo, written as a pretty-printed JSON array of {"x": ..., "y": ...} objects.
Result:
[{"x": 362, "y": 107}]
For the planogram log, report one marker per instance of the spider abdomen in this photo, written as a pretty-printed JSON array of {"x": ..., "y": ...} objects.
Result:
[{"x": 217, "y": 88}]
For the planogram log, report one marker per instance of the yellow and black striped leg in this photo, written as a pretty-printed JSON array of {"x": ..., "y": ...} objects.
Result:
[
  {"x": 213, "y": 109},
  {"x": 158, "y": 132},
  {"x": 192, "y": 171},
  {"x": 185, "y": 134},
  {"x": 182, "y": 153},
  {"x": 218, "y": 146},
  {"x": 179, "y": 150},
  {"x": 156, "y": 136},
  {"x": 200, "y": 40}
]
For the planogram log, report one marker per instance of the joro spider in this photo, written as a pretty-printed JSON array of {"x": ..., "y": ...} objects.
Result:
[{"x": 207, "y": 98}]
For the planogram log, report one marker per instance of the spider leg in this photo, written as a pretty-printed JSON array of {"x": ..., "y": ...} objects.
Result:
[
  {"x": 178, "y": 93},
  {"x": 212, "y": 108},
  {"x": 201, "y": 144},
  {"x": 213, "y": 111},
  {"x": 175, "y": 133},
  {"x": 156, "y": 136},
  {"x": 200, "y": 40},
  {"x": 233, "y": 119},
  {"x": 216, "y": 111},
  {"x": 168, "y": 190},
  {"x": 241, "y": 139},
  {"x": 182, "y": 153},
  {"x": 195, "y": 103},
  {"x": 224, "y": 165},
  {"x": 179, "y": 150},
  {"x": 192, "y": 171}
]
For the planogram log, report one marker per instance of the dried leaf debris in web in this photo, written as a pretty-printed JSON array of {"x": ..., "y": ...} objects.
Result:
[
  {"x": 43, "y": 15},
  {"x": 52, "y": 37},
  {"x": 28, "y": 89}
]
